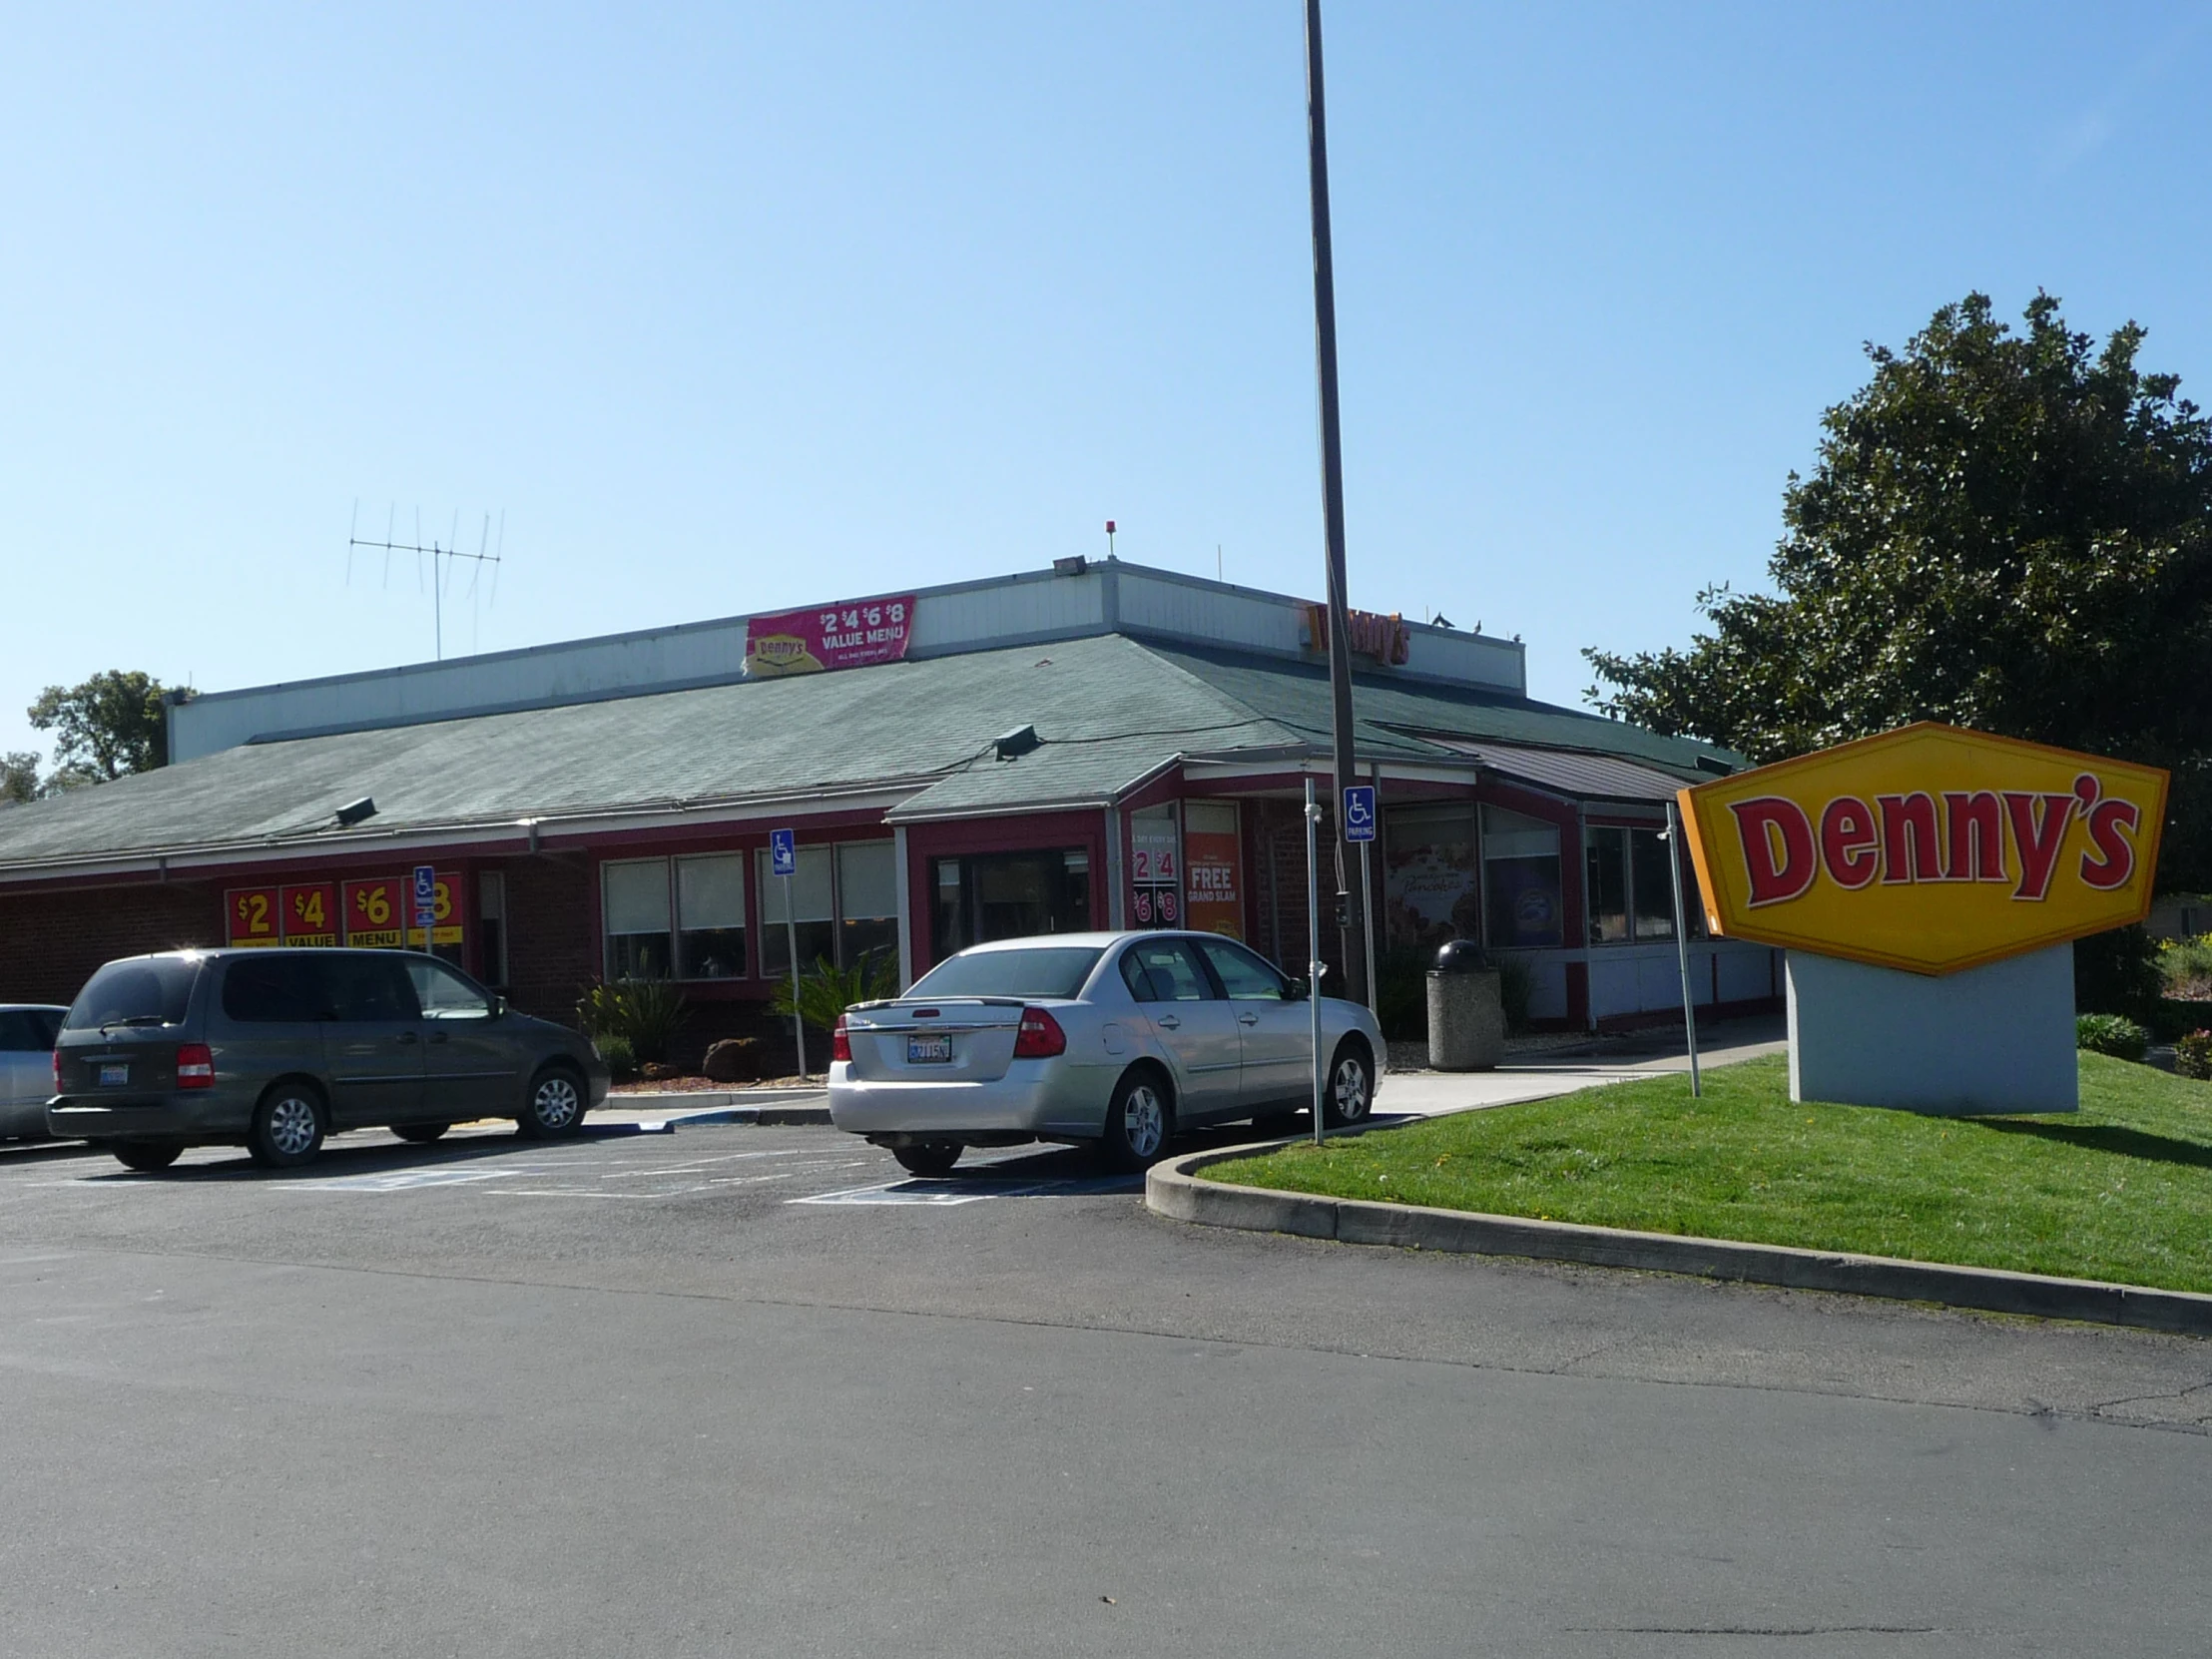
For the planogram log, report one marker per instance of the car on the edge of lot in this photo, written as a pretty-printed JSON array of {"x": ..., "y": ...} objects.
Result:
[
  {"x": 273, "y": 1049},
  {"x": 27, "y": 1032},
  {"x": 1117, "y": 1040}
]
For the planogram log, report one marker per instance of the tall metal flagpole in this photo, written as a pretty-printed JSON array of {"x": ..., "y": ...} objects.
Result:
[{"x": 1351, "y": 907}]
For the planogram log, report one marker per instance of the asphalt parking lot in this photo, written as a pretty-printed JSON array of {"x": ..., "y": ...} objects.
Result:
[{"x": 752, "y": 1391}]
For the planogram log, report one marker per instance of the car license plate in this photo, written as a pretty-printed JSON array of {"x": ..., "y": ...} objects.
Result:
[
  {"x": 929, "y": 1051},
  {"x": 115, "y": 1076}
]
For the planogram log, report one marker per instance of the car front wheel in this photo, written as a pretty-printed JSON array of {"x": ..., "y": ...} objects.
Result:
[
  {"x": 146, "y": 1155},
  {"x": 1137, "y": 1122},
  {"x": 928, "y": 1157},
  {"x": 555, "y": 1107},
  {"x": 287, "y": 1127}
]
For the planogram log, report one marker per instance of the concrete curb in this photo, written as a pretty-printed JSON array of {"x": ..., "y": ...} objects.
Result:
[
  {"x": 650, "y": 1099},
  {"x": 1173, "y": 1189}
]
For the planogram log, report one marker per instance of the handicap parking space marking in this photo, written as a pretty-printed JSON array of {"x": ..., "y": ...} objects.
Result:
[
  {"x": 395, "y": 1181},
  {"x": 953, "y": 1191}
]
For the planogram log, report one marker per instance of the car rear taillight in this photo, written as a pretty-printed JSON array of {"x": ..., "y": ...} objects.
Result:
[
  {"x": 194, "y": 1066},
  {"x": 1040, "y": 1036},
  {"x": 57, "y": 1057},
  {"x": 840, "y": 1042}
]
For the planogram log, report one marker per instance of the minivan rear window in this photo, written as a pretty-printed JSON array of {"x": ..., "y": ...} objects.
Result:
[
  {"x": 143, "y": 991},
  {"x": 1047, "y": 970},
  {"x": 284, "y": 988}
]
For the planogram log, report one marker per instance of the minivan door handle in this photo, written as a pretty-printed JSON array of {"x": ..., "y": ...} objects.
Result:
[
  {"x": 1171, "y": 1022},
  {"x": 1248, "y": 1020}
]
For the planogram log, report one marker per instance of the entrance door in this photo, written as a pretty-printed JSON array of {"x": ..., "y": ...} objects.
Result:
[
  {"x": 1193, "y": 1025},
  {"x": 1276, "y": 1034}
]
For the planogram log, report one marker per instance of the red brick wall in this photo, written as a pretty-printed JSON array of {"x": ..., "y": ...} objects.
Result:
[
  {"x": 52, "y": 941},
  {"x": 551, "y": 952}
]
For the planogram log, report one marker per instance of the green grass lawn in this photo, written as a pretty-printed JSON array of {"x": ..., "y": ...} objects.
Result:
[{"x": 2121, "y": 1190}]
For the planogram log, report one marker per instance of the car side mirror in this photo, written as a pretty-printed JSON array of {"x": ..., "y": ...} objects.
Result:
[
  {"x": 1299, "y": 990},
  {"x": 498, "y": 1004}
]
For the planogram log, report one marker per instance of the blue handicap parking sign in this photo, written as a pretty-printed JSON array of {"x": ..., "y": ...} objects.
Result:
[
  {"x": 1359, "y": 813},
  {"x": 425, "y": 895},
  {"x": 782, "y": 852}
]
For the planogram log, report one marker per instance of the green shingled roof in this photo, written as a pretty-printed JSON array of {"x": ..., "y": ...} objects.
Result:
[{"x": 1109, "y": 709}]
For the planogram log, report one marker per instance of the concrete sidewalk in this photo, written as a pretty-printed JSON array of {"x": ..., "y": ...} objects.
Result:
[{"x": 1424, "y": 1094}]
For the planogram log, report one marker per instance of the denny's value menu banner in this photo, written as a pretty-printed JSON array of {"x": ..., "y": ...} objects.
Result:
[
  {"x": 1930, "y": 848},
  {"x": 367, "y": 912},
  {"x": 836, "y": 636}
]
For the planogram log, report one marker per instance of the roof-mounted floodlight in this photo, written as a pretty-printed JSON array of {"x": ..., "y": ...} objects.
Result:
[
  {"x": 1015, "y": 743},
  {"x": 354, "y": 810}
]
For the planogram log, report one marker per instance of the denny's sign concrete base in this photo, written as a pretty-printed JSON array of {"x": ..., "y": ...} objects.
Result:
[{"x": 1927, "y": 884}]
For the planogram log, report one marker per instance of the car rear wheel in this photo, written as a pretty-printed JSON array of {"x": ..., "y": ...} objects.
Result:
[
  {"x": 555, "y": 1107},
  {"x": 287, "y": 1127},
  {"x": 1138, "y": 1122},
  {"x": 928, "y": 1158},
  {"x": 145, "y": 1155},
  {"x": 420, "y": 1133},
  {"x": 1350, "y": 1091}
]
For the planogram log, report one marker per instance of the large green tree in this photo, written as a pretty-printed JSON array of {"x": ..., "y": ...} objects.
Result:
[
  {"x": 2005, "y": 529},
  {"x": 109, "y": 725}
]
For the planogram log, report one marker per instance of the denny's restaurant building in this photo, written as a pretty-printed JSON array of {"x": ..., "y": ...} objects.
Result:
[{"x": 1096, "y": 746}]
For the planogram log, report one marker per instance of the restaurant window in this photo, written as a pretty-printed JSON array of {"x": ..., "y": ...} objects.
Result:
[
  {"x": 1651, "y": 886},
  {"x": 634, "y": 900},
  {"x": 1010, "y": 896},
  {"x": 1630, "y": 890},
  {"x": 1429, "y": 892},
  {"x": 709, "y": 917},
  {"x": 1606, "y": 883},
  {"x": 812, "y": 909},
  {"x": 868, "y": 903},
  {"x": 492, "y": 934},
  {"x": 1520, "y": 874}
]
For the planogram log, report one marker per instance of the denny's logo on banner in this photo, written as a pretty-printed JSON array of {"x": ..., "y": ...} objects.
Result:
[{"x": 1932, "y": 848}]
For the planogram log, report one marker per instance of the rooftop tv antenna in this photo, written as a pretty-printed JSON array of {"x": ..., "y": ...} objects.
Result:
[{"x": 444, "y": 556}]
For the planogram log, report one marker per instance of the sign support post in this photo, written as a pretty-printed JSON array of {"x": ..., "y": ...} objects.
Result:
[
  {"x": 1682, "y": 946},
  {"x": 1313, "y": 947},
  {"x": 784, "y": 855},
  {"x": 1359, "y": 822}
]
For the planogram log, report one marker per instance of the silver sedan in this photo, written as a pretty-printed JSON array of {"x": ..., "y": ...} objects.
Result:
[{"x": 1112, "y": 1039}]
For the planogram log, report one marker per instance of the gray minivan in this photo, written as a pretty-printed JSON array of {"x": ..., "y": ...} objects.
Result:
[{"x": 275, "y": 1049}]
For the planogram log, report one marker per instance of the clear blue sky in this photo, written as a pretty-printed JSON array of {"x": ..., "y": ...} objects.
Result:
[{"x": 732, "y": 307}]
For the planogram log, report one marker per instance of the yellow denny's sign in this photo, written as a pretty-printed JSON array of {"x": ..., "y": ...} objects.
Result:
[{"x": 1932, "y": 848}]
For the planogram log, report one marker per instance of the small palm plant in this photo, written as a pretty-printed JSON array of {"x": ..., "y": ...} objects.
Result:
[
  {"x": 826, "y": 992},
  {"x": 646, "y": 1013}
]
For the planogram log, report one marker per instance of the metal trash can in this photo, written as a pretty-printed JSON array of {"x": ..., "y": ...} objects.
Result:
[{"x": 1466, "y": 1016}]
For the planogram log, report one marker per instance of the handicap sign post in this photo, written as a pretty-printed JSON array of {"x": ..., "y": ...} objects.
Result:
[
  {"x": 425, "y": 878},
  {"x": 1359, "y": 813},
  {"x": 1360, "y": 830},
  {"x": 783, "y": 858}
]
